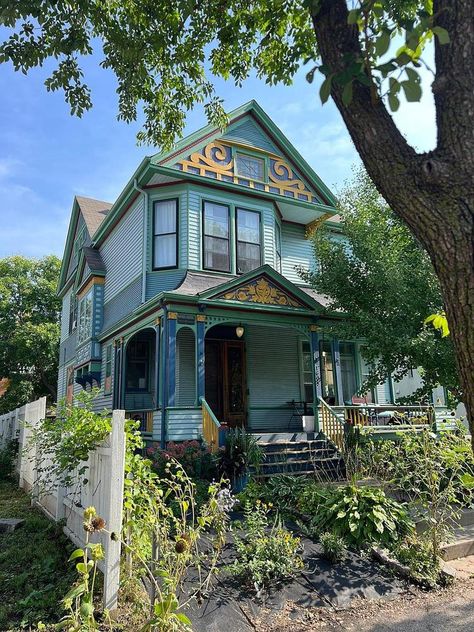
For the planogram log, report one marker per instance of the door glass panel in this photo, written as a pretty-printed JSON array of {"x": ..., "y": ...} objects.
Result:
[
  {"x": 348, "y": 372},
  {"x": 234, "y": 371},
  {"x": 327, "y": 373}
]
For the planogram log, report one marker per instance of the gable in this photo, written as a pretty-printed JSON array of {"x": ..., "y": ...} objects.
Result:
[
  {"x": 250, "y": 133},
  {"x": 263, "y": 291}
]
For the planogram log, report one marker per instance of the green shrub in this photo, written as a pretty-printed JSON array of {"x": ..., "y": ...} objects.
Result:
[
  {"x": 195, "y": 458},
  {"x": 334, "y": 547},
  {"x": 266, "y": 552},
  {"x": 281, "y": 491},
  {"x": 417, "y": 554},
  {"x": 8, "y": 456},
  {"x": 360, "y": 515},
  {"x": 241, "y": 452}
]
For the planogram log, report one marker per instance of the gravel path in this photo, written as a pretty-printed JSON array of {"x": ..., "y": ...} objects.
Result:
[{"x": 441, "y": 611}]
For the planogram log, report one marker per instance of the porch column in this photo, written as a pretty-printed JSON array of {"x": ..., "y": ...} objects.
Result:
[
  {"x": 316, "y": 361},
  {"x": 337, "y": 371},
  {"x": 172, "y": 317},
  {"x": 118, "y": 375},
  {"x": 200, "y": 356},
  {"x": 157, "y": 361}
]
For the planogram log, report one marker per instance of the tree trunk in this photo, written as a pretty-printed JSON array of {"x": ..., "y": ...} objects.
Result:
[{"x": 432, "y": 193}]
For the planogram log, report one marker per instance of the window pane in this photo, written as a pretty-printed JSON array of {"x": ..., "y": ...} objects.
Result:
[
  {"x": 216, "y": 220},
  {"x": 250, "y": 167},
  {"x": 216, "y": 254},
  {"x": 248, "y": 257},
  {"x": 165, "y": 217},
  {"x": 248, "y": 226},
  {"x": 165, "y": 251}
]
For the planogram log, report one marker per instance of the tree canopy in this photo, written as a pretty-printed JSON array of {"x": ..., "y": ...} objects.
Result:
[
  {"x": 164, "y": 53},
  {"x": 381, "y": 278},
  {"x": 29, "y": 328}
]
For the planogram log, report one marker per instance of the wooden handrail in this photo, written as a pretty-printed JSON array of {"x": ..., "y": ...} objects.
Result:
[
  {"x": 331, "y": 424},
  {"x": 210, "y": 426},
  {"x": 370, "y": 414}
]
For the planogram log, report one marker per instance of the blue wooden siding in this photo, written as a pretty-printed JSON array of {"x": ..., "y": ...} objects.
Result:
[
  {"x": 194, "y": 230},
  {"x": 184, "y": 424},
  {"x": 157, "y": 282},
  {"x": 104, "y": 401},
  {"x": 296, "y": 251},
  {"x": 250, "y": 133},
  {"x": 123, "y": 303},
  {"x": 67, "y": 349},
  {"x": 61, "y": 382},
  {"x": 185, "y": 368},
  {"x": 273, "y": 376},
  {"x": 122, "y": 252},
  {"x": 156, "y": 425}
]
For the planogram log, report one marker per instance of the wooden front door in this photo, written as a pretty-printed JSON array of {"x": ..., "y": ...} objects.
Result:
[{"x": 226, "y": 387}]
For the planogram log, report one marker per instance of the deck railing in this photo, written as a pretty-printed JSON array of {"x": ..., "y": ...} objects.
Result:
[
  {"x": 385, "y": 414},
  {"x": 210, "y": 426},
  {"x": 332, "y": 424}
]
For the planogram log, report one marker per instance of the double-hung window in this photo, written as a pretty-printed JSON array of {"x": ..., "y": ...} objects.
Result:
[
  {"x": 85, "y": 318},
  {"x": 216, "y": 237},
  {"x": 248, "y": 240},
  {"x": 307, "y": 372},
  {"x": 165, "y": 234}
]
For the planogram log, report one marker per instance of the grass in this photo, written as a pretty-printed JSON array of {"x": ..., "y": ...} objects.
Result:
[{"x": 34, "y": 573}]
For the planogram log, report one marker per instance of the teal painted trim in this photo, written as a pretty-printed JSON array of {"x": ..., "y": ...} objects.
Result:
[
  {"x": 200, "y": 359},
  {"x": 317, "y": 381},
  {"x": 319, "y": 209},
  {"x": 336, "y": 358},
  {"x": 171, "y": 362}
]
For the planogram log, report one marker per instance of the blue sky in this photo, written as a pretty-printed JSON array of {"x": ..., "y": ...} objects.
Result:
[{"x": 47, "y": 156}]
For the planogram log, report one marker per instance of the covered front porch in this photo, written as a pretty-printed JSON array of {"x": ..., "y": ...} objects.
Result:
[{"x": 252, "y": 352}]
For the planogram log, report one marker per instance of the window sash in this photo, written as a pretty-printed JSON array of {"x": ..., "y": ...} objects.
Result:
[
  {"x": 85, "y": 318},
  {"x": 216, "y": 237},
  {"x": 165, "y": 234},
  {"x": 250, "y": 167},
  {"x": 248, "y": 239}
]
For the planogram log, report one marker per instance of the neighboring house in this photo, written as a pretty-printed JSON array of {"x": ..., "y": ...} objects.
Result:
[{"x": 188, "y": 287}]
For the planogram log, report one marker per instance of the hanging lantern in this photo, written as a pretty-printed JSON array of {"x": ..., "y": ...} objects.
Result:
[{"x": 239, "y": 331}]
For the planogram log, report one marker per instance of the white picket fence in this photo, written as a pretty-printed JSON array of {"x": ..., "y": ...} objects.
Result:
[{"x": 103, "y": 488}]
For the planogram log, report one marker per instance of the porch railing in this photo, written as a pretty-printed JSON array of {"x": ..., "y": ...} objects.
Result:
[
  {"x": 385, "y": 415},
  {"x": 332, "y": 424},
  {"x": 210, "y": 426}
]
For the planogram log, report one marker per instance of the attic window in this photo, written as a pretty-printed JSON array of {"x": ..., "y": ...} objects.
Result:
[{"x": 250, "y": 167}]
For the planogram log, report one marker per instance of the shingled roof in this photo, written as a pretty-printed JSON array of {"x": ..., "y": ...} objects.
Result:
[{"x": 93, "y": 211}]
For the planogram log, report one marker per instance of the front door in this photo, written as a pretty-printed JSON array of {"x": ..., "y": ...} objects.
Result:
[{"x": 226, "y": 387}]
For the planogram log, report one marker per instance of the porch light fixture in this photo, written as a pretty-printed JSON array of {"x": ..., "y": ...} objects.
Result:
[{"x": 239, "y": 330}]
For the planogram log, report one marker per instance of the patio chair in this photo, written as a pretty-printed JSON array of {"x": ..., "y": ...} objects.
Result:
[{"x": 298, "y": 410}]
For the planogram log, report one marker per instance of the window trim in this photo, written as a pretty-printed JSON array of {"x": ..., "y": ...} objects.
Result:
[
  {"x": 175, "y": 233},
  {"x": 248, "y": 154},
  {"x": 73, "y": 310},
  {"x": 203, "y": 235},
  {"x": 81, "y": 302},
  {"x": 237, "y": 240},
  {"x": 278, "y": 242}
]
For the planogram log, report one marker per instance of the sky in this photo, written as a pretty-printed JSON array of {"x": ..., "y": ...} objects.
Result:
[{"x": 47, "y": 156}]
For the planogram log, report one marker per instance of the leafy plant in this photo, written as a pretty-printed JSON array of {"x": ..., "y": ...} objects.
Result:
[
  {"x": 8, "y": 456},
  {"x": 79, "y": 601},
  {"x": 334, "y": 547},
  {"x": 64, "y": 441},
  {"x": 195, "y": 458},
  {"x": 431, "y": 472},
  {"x": 417, "y": 554},
  {"x": 280, "y": 491},
  {"x": 266, "y": 551},
  {"x": 360, "y": 515},
  {"x": 241, "y": 452}
]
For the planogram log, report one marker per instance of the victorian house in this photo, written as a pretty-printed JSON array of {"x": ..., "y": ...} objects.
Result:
[{"x": 183, "y": 301}]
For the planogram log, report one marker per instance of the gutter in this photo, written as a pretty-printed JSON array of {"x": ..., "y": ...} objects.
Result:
[{"x": 145, "y": 235}]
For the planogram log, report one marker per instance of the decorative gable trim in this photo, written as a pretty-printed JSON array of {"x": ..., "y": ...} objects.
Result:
[{"x": 262, "y": 291}]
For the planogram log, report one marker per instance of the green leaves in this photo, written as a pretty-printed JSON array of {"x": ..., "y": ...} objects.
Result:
[
  {"x": 442, "y": 35},
  {"x": 439, "y": 322}
]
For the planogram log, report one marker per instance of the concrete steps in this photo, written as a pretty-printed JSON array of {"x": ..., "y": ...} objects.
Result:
[{"x": 300, "y": 453}]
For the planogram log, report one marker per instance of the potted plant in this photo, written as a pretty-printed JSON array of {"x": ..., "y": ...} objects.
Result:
[{"x": 240, "y": 453}]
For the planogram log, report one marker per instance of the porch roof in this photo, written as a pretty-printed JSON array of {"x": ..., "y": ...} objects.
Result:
[{"x": 210, "y": 286}]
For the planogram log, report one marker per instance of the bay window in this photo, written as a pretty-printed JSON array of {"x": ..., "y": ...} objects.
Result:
[
  {"x": 216, "y": 237},
  {"x": 85, "y": 318},
  {"x": 248, "y": 240},
  {"x": 165, "y": 234}
]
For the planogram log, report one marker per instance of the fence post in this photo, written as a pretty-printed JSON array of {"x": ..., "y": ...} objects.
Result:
[{"x": 114, "y": 510}]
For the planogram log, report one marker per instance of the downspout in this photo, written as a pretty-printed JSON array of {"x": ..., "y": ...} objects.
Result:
[
  {"x": 145, "y": 236},
  {"x": 164, "y": 377}
]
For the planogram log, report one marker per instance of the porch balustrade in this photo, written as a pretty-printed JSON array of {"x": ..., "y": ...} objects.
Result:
[
  {"x": 385, "y": 415},
  {"x": 332, "y": 424},
  {"x": 210, "y": 426}
]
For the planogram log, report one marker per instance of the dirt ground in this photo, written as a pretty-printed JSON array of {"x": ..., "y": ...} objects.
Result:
[{"x": 447, "y": 610}]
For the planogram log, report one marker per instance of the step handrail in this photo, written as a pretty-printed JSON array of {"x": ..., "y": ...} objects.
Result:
[
  {"x": 331, "y": 424},
  {"x": 210, "y": 426}
]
